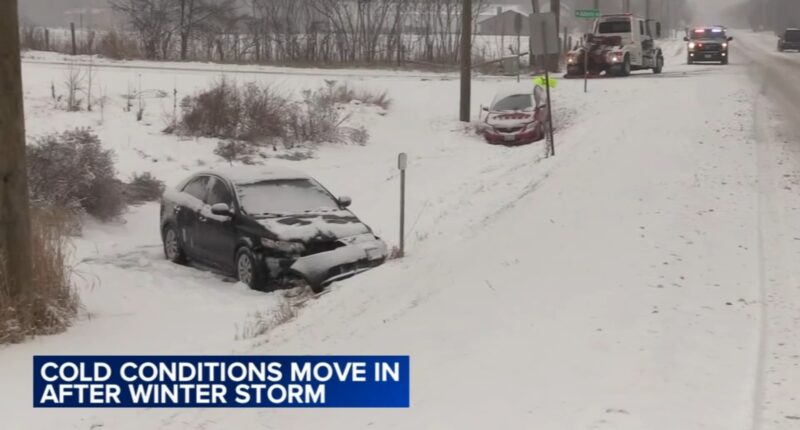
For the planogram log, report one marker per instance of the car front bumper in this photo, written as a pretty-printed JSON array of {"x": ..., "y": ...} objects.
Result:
[
  {"x": 516, "y": 138},
  {"x": 358, "y": 254},
  {"x": 708, "y": 55}
]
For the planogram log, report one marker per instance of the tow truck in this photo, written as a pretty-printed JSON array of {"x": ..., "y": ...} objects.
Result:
[{"x": 619, "y": 44}]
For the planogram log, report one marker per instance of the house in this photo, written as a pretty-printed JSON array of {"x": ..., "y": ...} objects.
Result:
[{"x": 504, "y": 23}]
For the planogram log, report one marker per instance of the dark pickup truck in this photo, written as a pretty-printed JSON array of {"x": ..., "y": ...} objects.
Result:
[{"x": 790, "y": 40}]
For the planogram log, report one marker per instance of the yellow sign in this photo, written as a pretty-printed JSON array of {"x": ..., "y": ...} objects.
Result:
[{"x": 540, "y": 80}]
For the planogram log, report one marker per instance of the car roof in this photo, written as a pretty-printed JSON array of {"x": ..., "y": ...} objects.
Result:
[
  {"x": 240, "y": 175},
  {"x": 513, "y": 89}
]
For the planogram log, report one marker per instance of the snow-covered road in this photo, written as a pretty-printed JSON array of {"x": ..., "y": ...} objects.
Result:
[{"x": 620, "y": 285}]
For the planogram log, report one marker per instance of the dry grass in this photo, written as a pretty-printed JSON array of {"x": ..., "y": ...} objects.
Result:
[
  {"x": 259, "y": 323},
  {"x": 49, "y": 304}
]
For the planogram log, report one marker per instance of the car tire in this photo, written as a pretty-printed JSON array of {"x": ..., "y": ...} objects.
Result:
[
  {"x": 689, "y": 60},
  {"x": 724, "y": 61},
  {"x": 173, "y": 248},
  {"x": 249, "y": 270}
]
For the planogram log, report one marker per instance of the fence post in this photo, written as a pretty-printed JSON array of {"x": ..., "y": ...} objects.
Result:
[{"x": 72, "y": 32}]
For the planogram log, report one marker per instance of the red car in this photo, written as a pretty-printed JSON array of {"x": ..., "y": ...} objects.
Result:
[{"x": 517, "y": 116}]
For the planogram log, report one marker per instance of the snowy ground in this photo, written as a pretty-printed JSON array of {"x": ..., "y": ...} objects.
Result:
[{"x": 622, "y": 284}]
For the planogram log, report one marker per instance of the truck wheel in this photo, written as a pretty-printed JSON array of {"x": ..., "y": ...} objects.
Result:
[
  {"x": 626, "y": 66},
  {"x": 659, "y": 65}
]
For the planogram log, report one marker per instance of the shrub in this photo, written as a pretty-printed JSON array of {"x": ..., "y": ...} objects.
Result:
[
  {"x": 49, "y": 303},
  {"x": 344, "y": 94},
  {"x": 233, "y": 150},
  {"x": 143, "y": 188},
  {"x": 319, "y": 119},
  {"x": 72, "y": 171},
  {"x": 260, "y": 115},
  {"x": 250, "y": 113}
]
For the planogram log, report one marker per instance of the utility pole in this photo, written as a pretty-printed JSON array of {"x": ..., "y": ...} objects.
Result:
[
  {"x": 534, "y": 61},
  {"x": 466, "y": 60},
  {"x": 626, "y": 4},
  {"x": 555, "y": 7},
  {"x": 15, "y": 231}
]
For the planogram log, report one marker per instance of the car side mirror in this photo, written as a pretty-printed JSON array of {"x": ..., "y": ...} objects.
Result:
[
  {"x": 730, "y": 38},
  {"x": 685, "y": 39},
  {"x": 221, "y": 209},
  {"x": 344, "y": 201},
  {"x": 485, "y": 108}
]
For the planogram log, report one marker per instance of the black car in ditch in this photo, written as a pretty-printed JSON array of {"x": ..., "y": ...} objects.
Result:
[
  {"x": 708, "y": 44},
  {"x": 789, "y": 40},
  {"x": 266, "y": 225}
]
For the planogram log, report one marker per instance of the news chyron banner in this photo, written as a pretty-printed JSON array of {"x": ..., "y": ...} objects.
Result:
[{"x": 221, "y": 381}]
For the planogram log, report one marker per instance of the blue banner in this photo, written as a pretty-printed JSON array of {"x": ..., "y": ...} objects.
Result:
[{"x": 221, "y": 381}]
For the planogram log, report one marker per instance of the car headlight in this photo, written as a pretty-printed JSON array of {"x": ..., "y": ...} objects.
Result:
[
  {"x": 724, "y": 45},
  {"x": 692, "y": 45},
  {"x": 283, "y": 246}
]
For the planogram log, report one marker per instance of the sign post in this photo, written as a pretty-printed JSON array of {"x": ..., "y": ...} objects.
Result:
[
  {"x": 586, "y": 14},
  {"x": 402, "y": 163}
]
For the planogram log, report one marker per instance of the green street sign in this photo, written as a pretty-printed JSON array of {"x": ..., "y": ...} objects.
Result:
[{"x": 587, "y": 13}]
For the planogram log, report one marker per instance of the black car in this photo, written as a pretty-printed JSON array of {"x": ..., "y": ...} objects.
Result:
[
  {"x": 708, "y": 44},
  {"x": 266, "y": 225},
  {"x": 790, "y": 40}
]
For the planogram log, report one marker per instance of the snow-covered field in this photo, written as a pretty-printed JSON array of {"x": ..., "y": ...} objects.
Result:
[{"x": 618, "y": 285}]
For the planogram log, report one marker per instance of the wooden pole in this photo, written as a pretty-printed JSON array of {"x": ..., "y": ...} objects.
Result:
[
  {"x": 15, "y": 231},
  {"x": 466, "y": 61}
]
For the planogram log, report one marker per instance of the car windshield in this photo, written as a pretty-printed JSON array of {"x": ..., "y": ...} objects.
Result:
[
  {"x": 793, "y": 35},
  {"x": 515, "y": 102},
  {"x": 610, "y": 27},
  {"x": 708, "y": 34},
  {"x": 284, "y": 196}
]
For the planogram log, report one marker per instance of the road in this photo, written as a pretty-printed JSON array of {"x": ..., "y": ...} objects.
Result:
[{"x": 778, "y": 134}]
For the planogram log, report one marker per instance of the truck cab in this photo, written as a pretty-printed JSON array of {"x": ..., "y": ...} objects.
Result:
[
  {"x": 636, "y": 35},
  {"x": 708, "y": 44},
  {"x": 619, "y": 44}
]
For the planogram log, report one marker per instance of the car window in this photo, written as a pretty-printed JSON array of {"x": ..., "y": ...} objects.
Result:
[
  {"x": 793, "y": 36},
  {"x": 284, "y": 196},
  {"x": 515, "y": 102},
  {"x": 614, "y": 27},
  {"x": 219, "y": 193},
  {"x": 197, "y": 187}
]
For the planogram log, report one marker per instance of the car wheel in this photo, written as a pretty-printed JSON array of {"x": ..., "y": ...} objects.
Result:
[
  {"x": 724, "y": 61},
  {"x": 689, "y": 60},
  {"x": 173, "y": 250},
  {"x": 249, "y": 271}
]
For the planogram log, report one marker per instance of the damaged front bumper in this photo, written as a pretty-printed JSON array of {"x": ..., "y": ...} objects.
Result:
[{"x": 358, "y": 254}]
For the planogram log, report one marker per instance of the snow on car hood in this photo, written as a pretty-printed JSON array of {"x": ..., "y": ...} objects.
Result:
[{"x": 332, "y": 224}]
